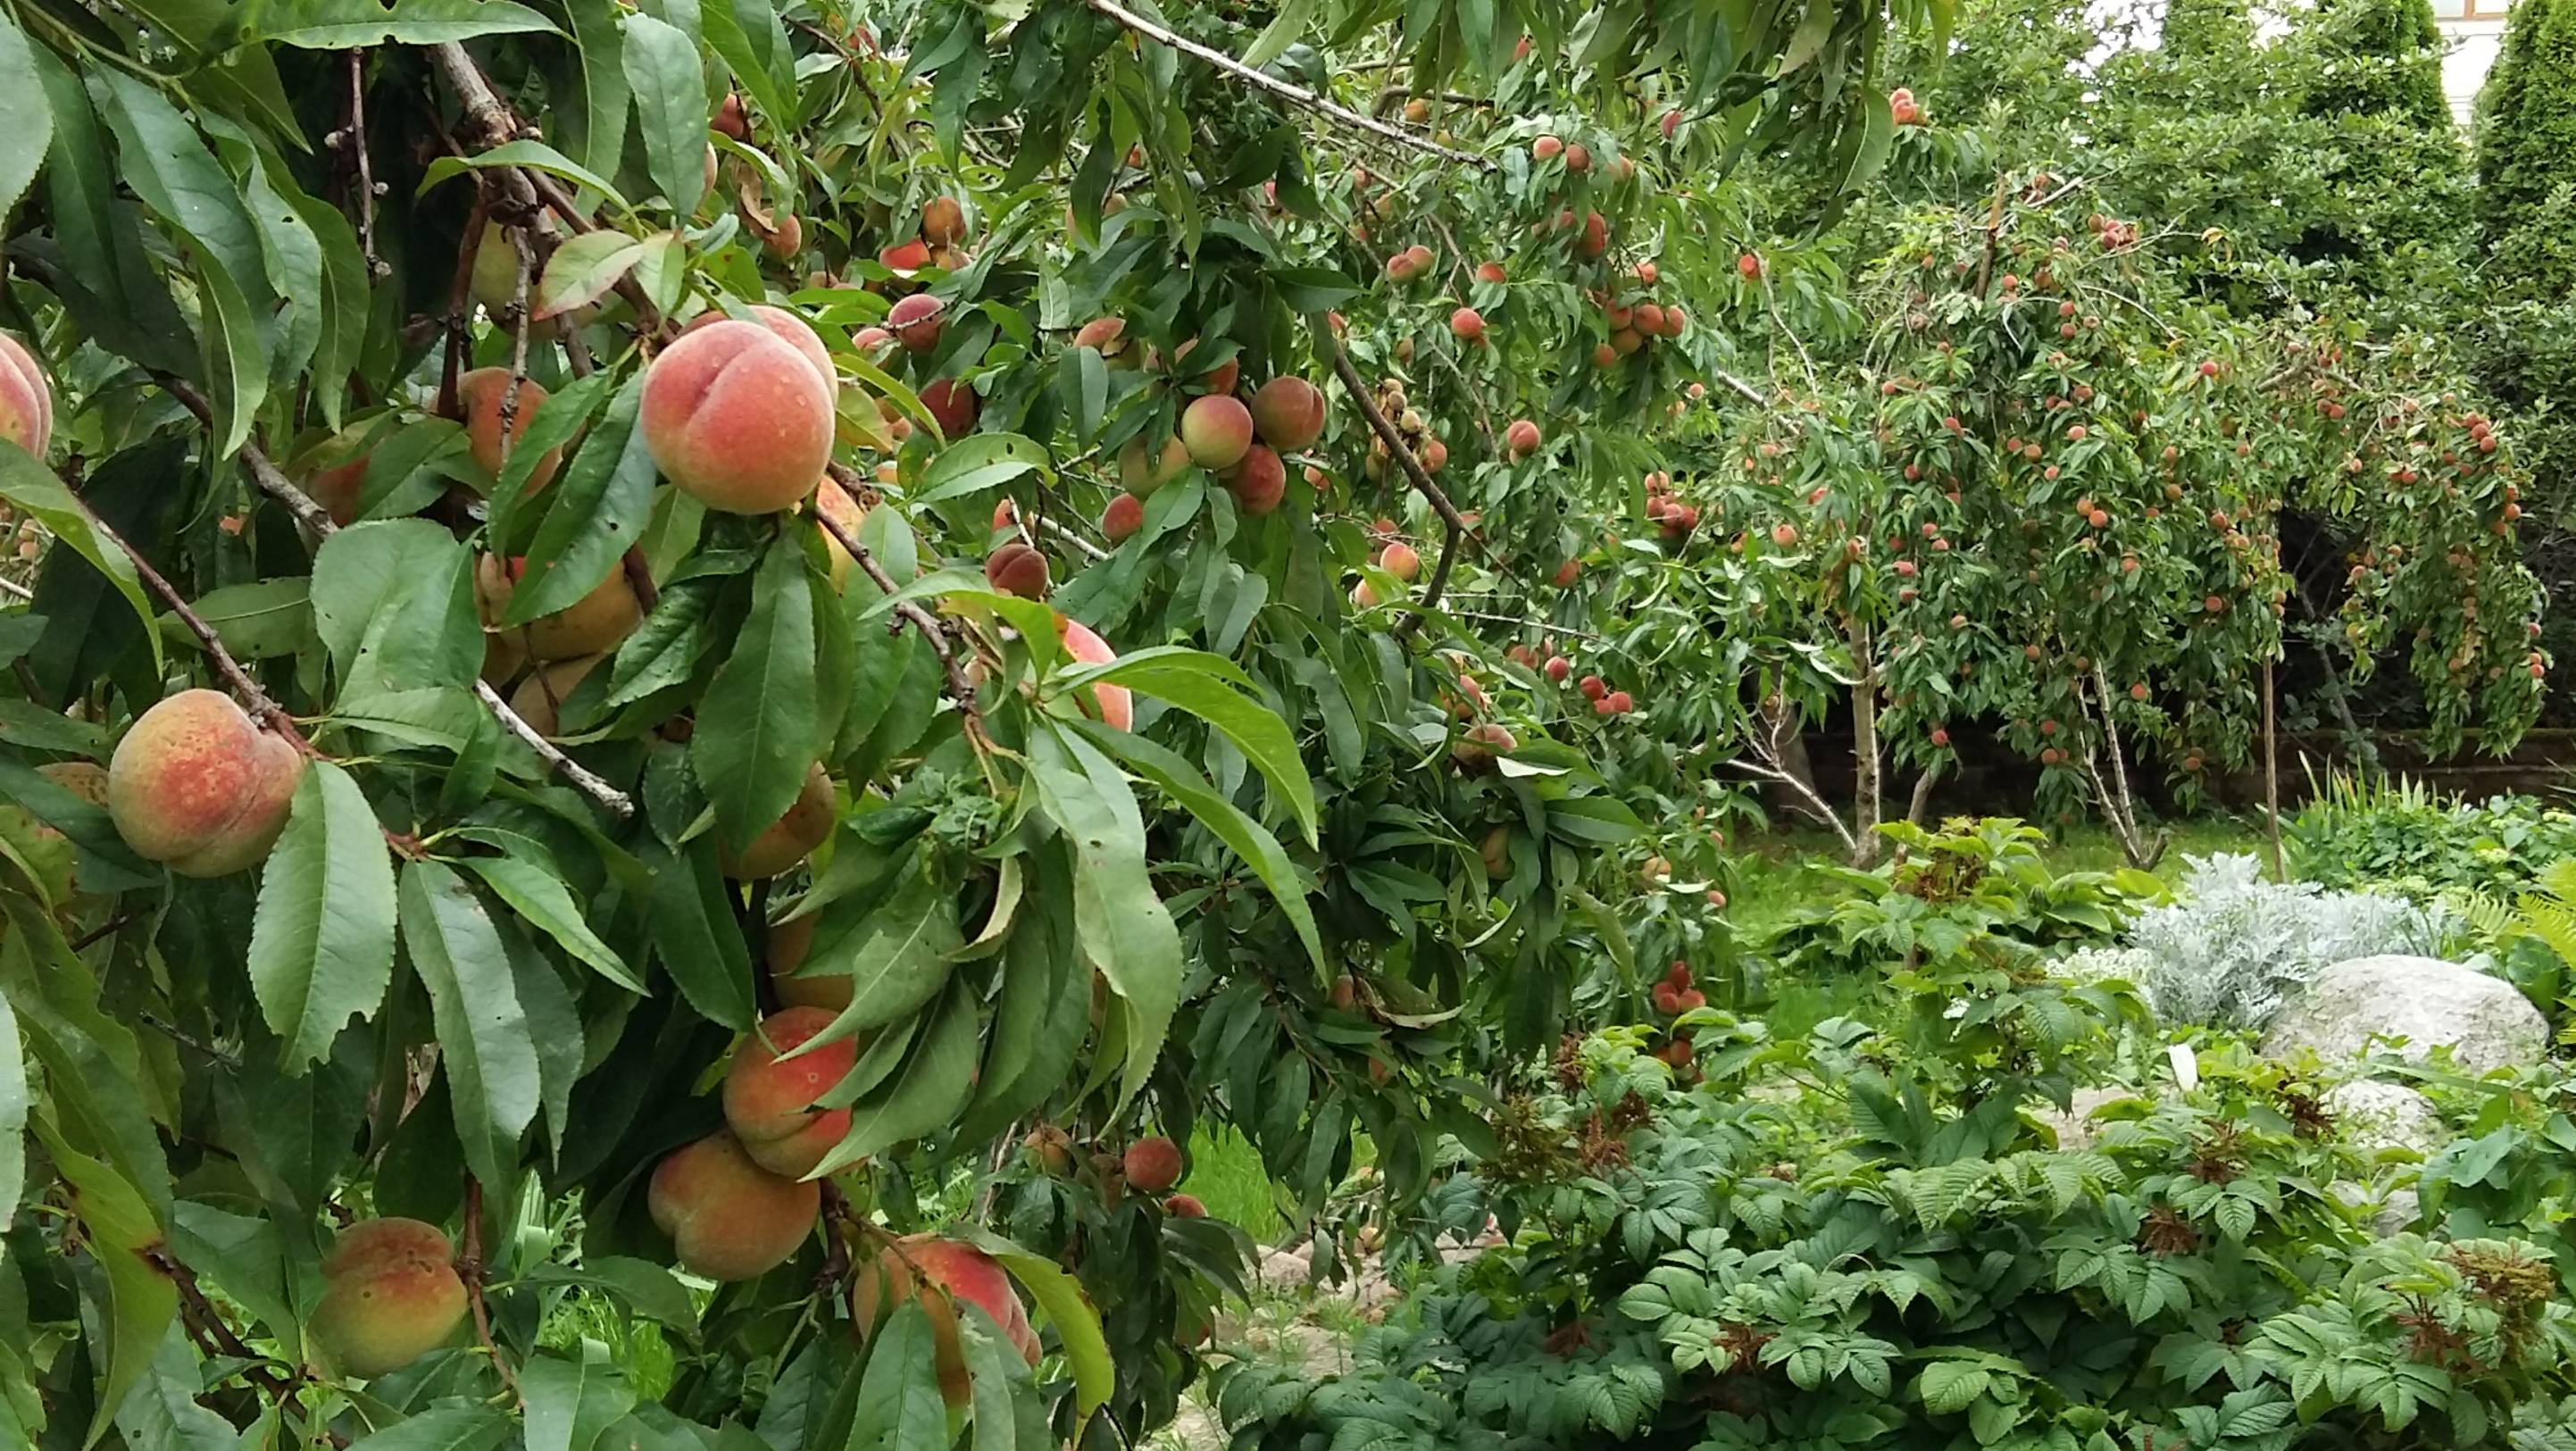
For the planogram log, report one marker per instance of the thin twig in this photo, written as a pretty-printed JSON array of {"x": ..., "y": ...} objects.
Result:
[
  {"x": 255, "y": 700},
  {"x": 519, "y": 324},
  {"x": 357, "y": 140},
  {"x": 1282, "y": 89},
  {"x": 460, "y": 309},
  {"x": 1047, "y": 525},
  {"x": 1815, "y": 804},
  {"x": 469, "y": 1268},
  {"x": 960, "y": 689}
]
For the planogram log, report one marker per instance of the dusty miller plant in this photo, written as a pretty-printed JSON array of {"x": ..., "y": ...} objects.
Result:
[{"x": 2233, "y": 947}]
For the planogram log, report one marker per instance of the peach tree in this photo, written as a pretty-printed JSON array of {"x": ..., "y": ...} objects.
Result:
[{"x": 576, "y": 835}]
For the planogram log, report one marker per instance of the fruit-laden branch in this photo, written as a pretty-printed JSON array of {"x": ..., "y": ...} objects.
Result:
[
  {"x": 1282, "y": 89},
  {"x": 1385, "y": 429},
  {"x": 268, "y": 712},
  {"x": 313, "y": 516},
  {"x": 960, "y": 689}
]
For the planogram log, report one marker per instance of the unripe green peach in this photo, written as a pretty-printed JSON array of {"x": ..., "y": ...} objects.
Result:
[
  {"x": 939, "y": 1273},
  {"x": 390, "y": 1296},
  {"x": 729, "y": 1218},
  {"x": 198, "y": 786},
  {"x": 737, "y": 418},
  {"x": 769, "y": 1098},
  {"x": 588, "y": 626},
  {"x": 792, "y": 837}
]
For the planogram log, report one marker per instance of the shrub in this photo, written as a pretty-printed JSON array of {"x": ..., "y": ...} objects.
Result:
[
  {"x": 2399, "y": 834},
  {"x": 2234, "y": 947},
  {"x": 1711, "y": 1272}
]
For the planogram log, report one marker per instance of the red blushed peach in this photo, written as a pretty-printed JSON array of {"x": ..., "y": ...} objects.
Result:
[
  {"x": 1401, "y": 560},
  {"x": 480, "y": 393},
  {"x": 943, "y": 222},
  {"x": 789, "y": 941},
  {"x": 1016, "y": 569},
  {"x": 953, "y": 406},
  {"x": 1124, "y": 516},
  {"x": 539, "y": 698},
  {"x": 1152, "y": 1165},
  {"x": 26, "y": 400},
  {"x": 792, "y": 837},
  {"x": 390, "y": 1295},
  {"x": 198, "y": 786},
  {"x": 736, "y": 418},
  {"x": 916, "y": 321},
  {"x": 769, "y": 1097},
  {"x": 791, "y": 330},
  {"x": 1289, "y": 412},
  {"x": 1259, "y": 482},
  {"x": 729, "y": 1218},
  {"x": 939, "y": 1273},
  {"x": 1220, "y": 379},
  {"x": 1111, "y": 704},
  {"x": 1217, "y": 431},
  {"x": 336, "y": 487}
]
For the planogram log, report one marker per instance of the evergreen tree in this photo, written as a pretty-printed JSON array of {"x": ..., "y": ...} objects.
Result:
[
  {"x": 2527, "y": 152},
  {"x": 2380, "y": 57}
]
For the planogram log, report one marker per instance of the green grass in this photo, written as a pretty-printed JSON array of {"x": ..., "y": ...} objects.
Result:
[{"x": 1227, "y": 1177}]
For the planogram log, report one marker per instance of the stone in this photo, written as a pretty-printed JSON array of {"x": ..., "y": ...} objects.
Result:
[
  {"x": 2074, "y": 1125},
  {"x": 2376, "y": 1116},
  {"x": 2486, "y": 1022}
]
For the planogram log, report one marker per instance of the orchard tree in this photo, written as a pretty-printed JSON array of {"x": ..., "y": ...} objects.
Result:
[{"x": 678, "y": 656}]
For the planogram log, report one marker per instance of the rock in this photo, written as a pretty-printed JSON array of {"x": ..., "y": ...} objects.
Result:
[
  {"x": 2375, "y": 1116},
  {"x": 1285, "y": 1269},
  {"x": 2487, "y": 1023}
]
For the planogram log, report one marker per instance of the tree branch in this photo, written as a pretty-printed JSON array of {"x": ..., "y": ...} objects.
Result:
[
  {"x": 313, "y": 516},
  {"x": 469, "y": 1268},
  {"x": 960, "y": 689},
  {"x": 1299, "y": 95},
  {"x": 1419, "y": 476}
]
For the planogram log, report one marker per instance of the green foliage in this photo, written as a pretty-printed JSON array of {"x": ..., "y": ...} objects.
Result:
[
  {"x": 2357, "y": 833},
  {"x": 1715, "y": 1271},
  {"x": 2526, "y": 129}
]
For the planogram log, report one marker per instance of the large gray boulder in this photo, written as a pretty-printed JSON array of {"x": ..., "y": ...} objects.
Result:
[{"x": 2486, "y": 1021}]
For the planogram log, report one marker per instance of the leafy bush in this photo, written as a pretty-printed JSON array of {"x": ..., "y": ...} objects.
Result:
[
  {"x": 2233, "y": 947},
  {"x": 2400, "y": 834},
  {"x": 1713, "y": 1271}
]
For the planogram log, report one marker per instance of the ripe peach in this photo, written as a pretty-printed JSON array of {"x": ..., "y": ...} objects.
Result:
[
  {"x": 1141, "y": 477},
  {"x": 335, "y": 486},
  {"x": 916, "y": 321},
  {"x": 729, "y": 118},
  {"x": 1152, "y": 1165},
  {"x": 1547, "y": 148},
  {"x": 1016, "y": 569},
  {"x": 791, "y": 330},
  {"x": 587, "y": 626},
  {"x": 1219, "y": 379},
  {"x": 1259, "y": 482},
  {"x": 540, "y": 697},
  {"x": 1124, "y": 516},
  {"x": 26, "y": 400},
  {"x": 737, "y": 418},
  {"x": 1217, "y": 431},
  {"x": 480, "y": 394},
  {"x": 953, "y": 406},
  {"x": 1521, "y": 438},
  {"x": 1401, "y": 560},
  {"x": 729, "y": 1218},
  {"x": 390, "y": 1295},
  {"x": 1185, "y": 1206},
  {"x": 197, "y": 785},
  {"x": 1596, "y": 236},
  {"x": 943, "y": 222},
  {"x": 769, "y": 1097},
  {"x": 792, "y": 837},
  {"x": 1468, "y": 324},
  {"x": 1490, "y": 272},
  {"x": 939, "y": 1273},
  {"x": 905, "y": 256},
  {"x": 1289, "y": 412},
  {"x": 1110, "y": 704},
  {"x": 1619, "y": 702},
  {"x": 789, "y": 942}
]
